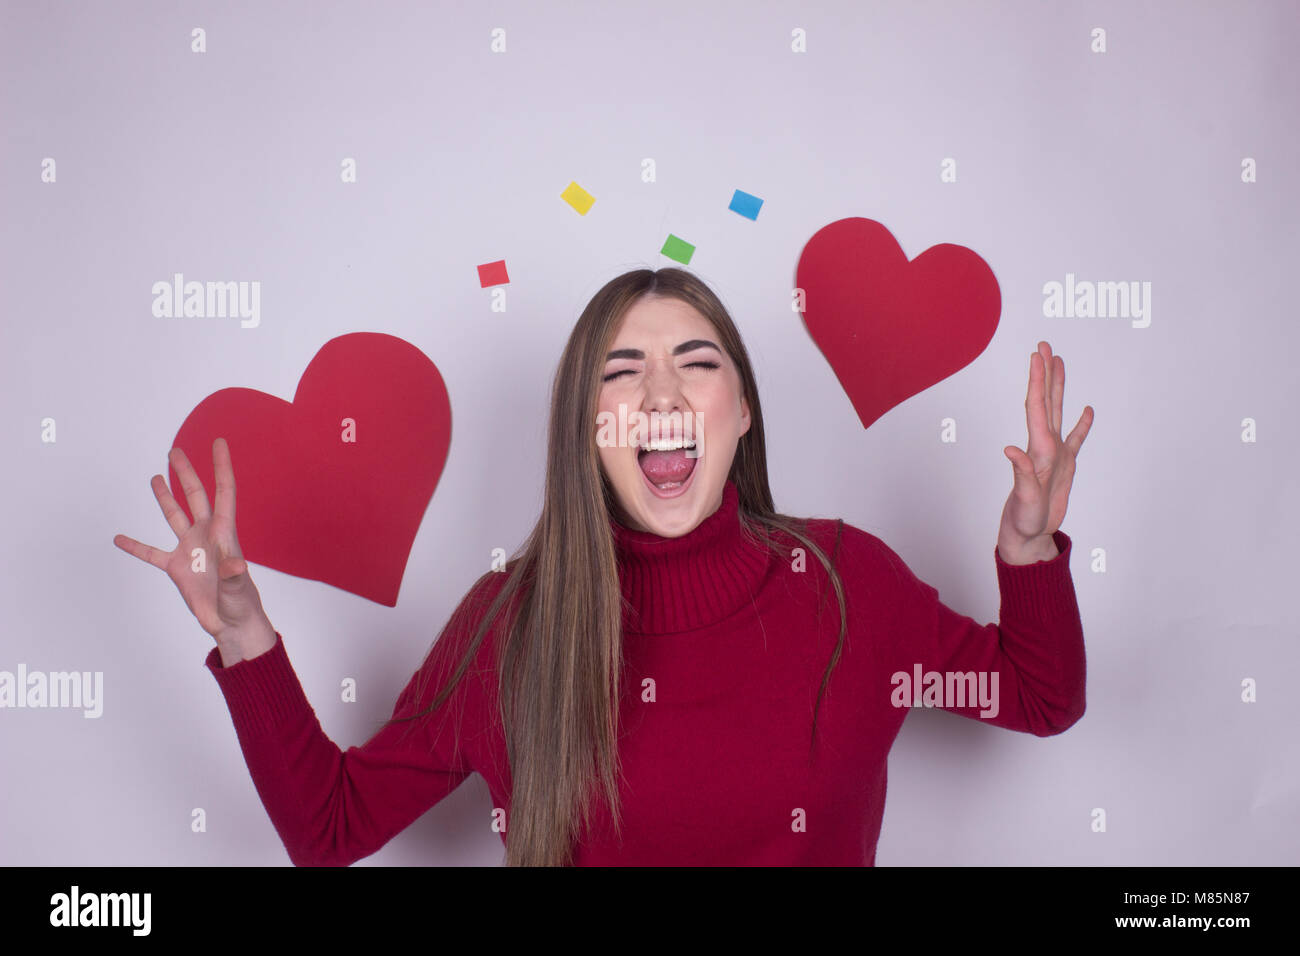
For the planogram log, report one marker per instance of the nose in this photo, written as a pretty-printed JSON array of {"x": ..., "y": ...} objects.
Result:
[{"x": 663, "y": 388}]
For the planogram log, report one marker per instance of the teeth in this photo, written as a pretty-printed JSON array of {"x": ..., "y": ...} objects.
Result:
[{"x": 666, "y": 444}]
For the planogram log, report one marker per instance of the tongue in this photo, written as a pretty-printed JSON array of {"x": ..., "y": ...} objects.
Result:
[{"x": 664, "y": 466}]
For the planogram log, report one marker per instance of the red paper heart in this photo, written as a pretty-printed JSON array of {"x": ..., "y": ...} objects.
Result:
[
  {"x": 888, "y": 327},
  {"x": 307, "y": 501}
]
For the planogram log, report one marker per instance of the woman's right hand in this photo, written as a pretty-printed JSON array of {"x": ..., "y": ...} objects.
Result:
[{"x": 222, "y": 596}]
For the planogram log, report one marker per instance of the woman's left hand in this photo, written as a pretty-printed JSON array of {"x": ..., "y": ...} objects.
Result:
[{"x": 1036, "y": 506}]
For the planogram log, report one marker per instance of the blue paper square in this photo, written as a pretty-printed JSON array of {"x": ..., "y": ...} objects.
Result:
[{"x": 745, "y": 204}]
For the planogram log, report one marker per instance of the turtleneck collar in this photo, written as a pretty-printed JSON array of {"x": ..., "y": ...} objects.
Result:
[{"x": 685, "y": 583}]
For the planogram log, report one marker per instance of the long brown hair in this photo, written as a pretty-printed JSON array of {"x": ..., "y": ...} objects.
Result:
[{"x": 559, "y": 666}]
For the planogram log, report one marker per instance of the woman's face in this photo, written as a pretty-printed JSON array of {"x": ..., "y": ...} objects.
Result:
[{"x": 670, "y": 377}]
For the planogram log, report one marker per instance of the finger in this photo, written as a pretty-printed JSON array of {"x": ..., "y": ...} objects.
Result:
[
  {"x": 1022, "y": 466},
  {"x": 1049, "y": 377},
  {"x": 1035, "y": 409},
  {"x": 231, "y": 567},
  {"x": 194, "y": 493},
  {"x": 1058, "y": 392},
  {"x": 144, "y": 552},
  {"x": 225, "y": 476},
  {"x": 176, "y": 519},
  {"x": 1080, "y": 431}
]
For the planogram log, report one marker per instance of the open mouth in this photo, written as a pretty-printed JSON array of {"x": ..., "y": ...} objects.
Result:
[{"x": 669, "y": 463}]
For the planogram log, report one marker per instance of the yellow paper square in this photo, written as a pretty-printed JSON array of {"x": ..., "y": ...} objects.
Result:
[{"x": 578, "y": 198}]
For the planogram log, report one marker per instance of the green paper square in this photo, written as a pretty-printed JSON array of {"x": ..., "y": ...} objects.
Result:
[{"x": 679, "y": 250}]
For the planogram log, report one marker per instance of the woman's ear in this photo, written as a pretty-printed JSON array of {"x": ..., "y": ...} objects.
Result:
[{"x": 745, "y": 420}]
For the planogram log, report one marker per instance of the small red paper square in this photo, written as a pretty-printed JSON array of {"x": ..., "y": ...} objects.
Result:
[{"x": 493, "y": 273}]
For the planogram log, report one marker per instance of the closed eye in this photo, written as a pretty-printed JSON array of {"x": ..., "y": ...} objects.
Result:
[{"x": 629, "y": 371}]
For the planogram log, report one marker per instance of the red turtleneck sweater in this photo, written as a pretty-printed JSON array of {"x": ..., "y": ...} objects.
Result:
[{"x": 717, "y": 767}]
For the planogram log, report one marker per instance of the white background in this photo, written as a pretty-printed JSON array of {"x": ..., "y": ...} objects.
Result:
[{"x": 1116, "y": 166}]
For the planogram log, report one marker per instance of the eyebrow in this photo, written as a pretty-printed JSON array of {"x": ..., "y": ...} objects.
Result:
[{"x": 690, "y": 346}]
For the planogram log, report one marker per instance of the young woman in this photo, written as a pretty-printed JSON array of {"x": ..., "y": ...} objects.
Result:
[{"x": 669, "y": 670}]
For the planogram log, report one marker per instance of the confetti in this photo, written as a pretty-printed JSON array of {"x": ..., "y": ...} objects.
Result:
[
  {"x": 745, "y": 204},
  {"x": 493, "y": 273},
  {"x": 679, "y": 250},
  {"x": 578, "y": 198}
]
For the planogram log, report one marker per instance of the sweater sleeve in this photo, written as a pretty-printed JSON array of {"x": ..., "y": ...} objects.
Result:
[
  {"x": 1035, "y": 652},
  {"x": 332, "y": 807}
]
